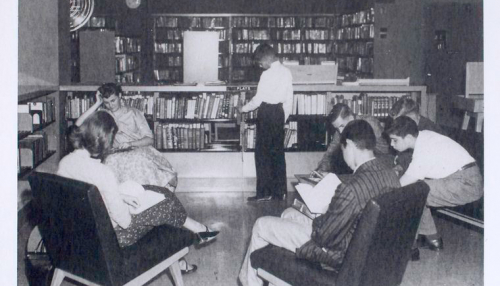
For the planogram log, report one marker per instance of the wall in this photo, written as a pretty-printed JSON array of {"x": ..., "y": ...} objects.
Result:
[
  {"x": 399, "y": 54},
  {"x": 38, "y": 44}
]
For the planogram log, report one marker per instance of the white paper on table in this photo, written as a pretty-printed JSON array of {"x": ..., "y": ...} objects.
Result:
[{"x": 318, "y": 198}]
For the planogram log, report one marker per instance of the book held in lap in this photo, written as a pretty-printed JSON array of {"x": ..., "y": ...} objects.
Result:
[
  {"x": 317, "y": 198},
  {"x": 146, "y": 198}
]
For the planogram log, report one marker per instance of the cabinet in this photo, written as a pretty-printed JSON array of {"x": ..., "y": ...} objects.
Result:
[
  {"x": 100, "y": 53},
  {"x": 38, "y": 130}
]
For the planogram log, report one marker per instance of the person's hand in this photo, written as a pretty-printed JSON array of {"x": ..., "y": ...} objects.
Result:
[
  {"x": 124, "y": 145},
  {"x": 131, "y": 201},
  {"x": 98, "y": 98}
]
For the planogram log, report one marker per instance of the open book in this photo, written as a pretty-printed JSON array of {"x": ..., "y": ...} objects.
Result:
[
  {"x": 317, "y": 198},
  {"x": 146, "y": 198}
]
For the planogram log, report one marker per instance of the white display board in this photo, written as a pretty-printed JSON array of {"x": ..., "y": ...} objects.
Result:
[{"x": 201, "y": 56}]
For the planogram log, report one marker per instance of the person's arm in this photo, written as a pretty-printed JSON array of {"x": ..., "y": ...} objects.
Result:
[
  {"x": 288, "y": 104},
  {"x": 406, "y": 179},
  {"x": 325, "y": 164},
  {"x": 91, "y": 110},
  {"x": 144, "y": 131},
  {"x": 255, "y": 102}
]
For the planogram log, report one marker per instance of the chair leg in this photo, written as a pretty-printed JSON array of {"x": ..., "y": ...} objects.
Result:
[
  {"x": 175, "y": 270},
  {"x": 58, "y": 277}
]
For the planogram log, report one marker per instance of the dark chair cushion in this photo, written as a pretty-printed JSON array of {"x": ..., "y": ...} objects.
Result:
[
  {"x": 159, "y": 243},
  {"x": 283, "y": 264}
]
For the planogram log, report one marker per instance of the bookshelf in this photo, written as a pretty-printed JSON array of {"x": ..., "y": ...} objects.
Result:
[
  {"x": 38, "y": 138},
  {"x": 353, "y": 43},
  {"x": 185, "y": 118},
  {"x": 168, "y": 44}
]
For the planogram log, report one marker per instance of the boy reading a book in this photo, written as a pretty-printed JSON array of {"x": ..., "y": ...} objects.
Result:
[
  {"x": 339, "y": 117},
  {"x": 325, "y": 239}
]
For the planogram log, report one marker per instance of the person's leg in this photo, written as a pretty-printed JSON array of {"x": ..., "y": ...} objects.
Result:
[
  {"x": 295, "y": 215},
  {"x": 194, "y": 226},
  {"x": 277, "y": 155},
  {"x": 457, "y": 189},
  {"x": 272, "y": 230},
  {"x": 262, "y": 158}
]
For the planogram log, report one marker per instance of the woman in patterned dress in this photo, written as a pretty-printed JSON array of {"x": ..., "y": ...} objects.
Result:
[
  {"x": 142, "y": 163},
  {"x": 92, "y": 140}
]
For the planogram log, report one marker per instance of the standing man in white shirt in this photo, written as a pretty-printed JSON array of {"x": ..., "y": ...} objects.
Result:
[
  {"x": 274, "y": 100},
  {"x": 452, "y": 174}
]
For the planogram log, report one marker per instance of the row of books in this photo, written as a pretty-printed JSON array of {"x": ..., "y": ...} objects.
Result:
[
  {"x": 355, "y": 64},
  {"x": 378, "y": 106},
  {"x": 285, "y": 48},
  {"x": 283, "y": 22},
  {"x": 35, "y": 113},
  {"x": 202, "y": 106},
  {"x": 126, "y": 63},
  {"x": 353, "y": 48},
  {"x": 168, "y": 75},
  {"x": 191, "y": 22},
  {"x": 32, "y": 150},
  {"x": 169, "y": 60},
  {"x": 249, "y": 135},
  {"x": 365, "y": 31},
  {"x": 361, "y": 17},
  {"x": 321, "y": 104},
  {"x": 167, "y": 48},
  {"x": 128, "y": 77},
  {"x": 282, "y": 35},
  {"x": 180, "y": 136},
  {"x": 127, "y": 45},
  {"x": 77, "y": 105}
]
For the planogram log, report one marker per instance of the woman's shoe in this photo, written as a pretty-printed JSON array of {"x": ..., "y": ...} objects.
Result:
[
  {"x": 187, "y": 269},
  {"x": 206, "y": 236}
]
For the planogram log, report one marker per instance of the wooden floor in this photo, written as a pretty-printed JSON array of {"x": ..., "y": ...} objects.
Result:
[{"x": 459, "y": 264}]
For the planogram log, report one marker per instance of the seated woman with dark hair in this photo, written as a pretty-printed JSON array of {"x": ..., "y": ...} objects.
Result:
[
  {"x": 142, "y": 163},
  {"x": 92, "y": 140}
]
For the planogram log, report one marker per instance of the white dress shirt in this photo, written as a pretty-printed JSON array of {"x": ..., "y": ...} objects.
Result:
[
  {"x": 275, "y": 86},
  {"x": 436, "y": 156}
]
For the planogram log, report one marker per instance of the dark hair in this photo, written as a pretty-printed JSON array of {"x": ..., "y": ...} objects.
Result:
[
  {"x": 262, "y": 51},
  {"x": 403, "y": 126},
  {"x": 108, "y": 89},
  {"x": 361, "y": 133},
  {"x": 93, "y": 134},
  {"x": 403, "y": 106},
  {"x": 339, "y": 110}
]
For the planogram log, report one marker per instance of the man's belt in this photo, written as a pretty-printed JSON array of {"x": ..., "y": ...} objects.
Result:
[{"x": 470, "y": 165}]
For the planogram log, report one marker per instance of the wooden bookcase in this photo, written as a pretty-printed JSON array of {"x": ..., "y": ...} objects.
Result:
[{"x": 38, "y": 129}]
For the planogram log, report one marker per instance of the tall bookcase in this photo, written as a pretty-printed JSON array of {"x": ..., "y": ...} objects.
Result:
[
  {"x": 168, "y": 45},
  {"x": 306, "y": 39},
  {"x": 38, "y": 129}
]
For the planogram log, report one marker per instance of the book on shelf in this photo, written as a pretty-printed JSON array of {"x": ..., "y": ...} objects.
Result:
[{"x": 317, "y": 198}]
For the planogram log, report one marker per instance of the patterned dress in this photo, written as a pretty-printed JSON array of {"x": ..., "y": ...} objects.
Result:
[{"x": 144, "y": 165}]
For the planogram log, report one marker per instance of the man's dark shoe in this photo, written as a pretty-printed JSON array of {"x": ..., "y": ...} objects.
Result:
[
  {"x": 433, "y": 244},
  {"x": 259, "y": 199},
  {"x": 415, "y": 254}
]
